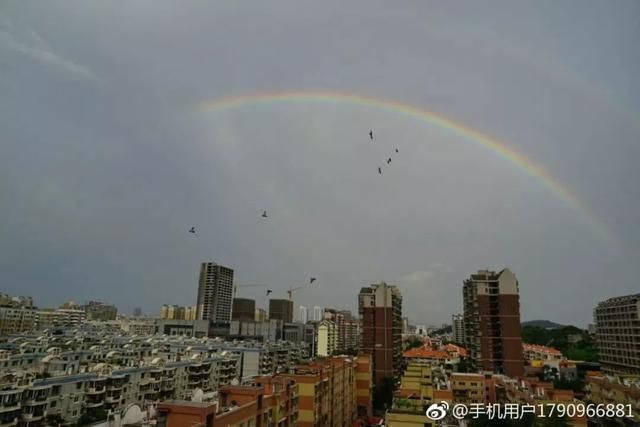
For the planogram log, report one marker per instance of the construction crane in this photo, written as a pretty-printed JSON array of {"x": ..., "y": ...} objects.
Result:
[
  {"x": 235, "y": 288},
  {"x": 291, "y": 290}
]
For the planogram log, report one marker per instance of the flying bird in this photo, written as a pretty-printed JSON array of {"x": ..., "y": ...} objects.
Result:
[
  {"x": 264, "y": 214},
  {"x": 311, "y": 280},
  {"x": 397, "y": 150},
  {"x": 371, "y": 134},
  {"x": 192, "y": 230},
  {"x": 380, "y": 171},
  {"x": 389, "y": 160},
  {"x": 269, "y": 291}
]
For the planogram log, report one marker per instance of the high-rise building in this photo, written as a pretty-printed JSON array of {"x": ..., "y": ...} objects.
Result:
[
  {"x": 137, "y": 312},
  {"x": 243, "y": 309},
  {"x": 191, "y": 312},
  {"x": 318, "y": 313},
  {"x": 618, "y": 335},
  {"x": 97, "y": 310},
  {"x": 281, "y": 309},
  {"x": 215, "y": 290},
  {"x": 457, "y": 328},
  {"x": 260, "y": 315},
  {"x": 380, "y": 308},
  {"x": 327, "y": 339},
  {"x": 492, "y": 322},
  {"x": 302, "y": 314}
]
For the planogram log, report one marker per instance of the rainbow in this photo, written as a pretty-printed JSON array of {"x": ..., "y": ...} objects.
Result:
[{"x": 430, "y": 118}]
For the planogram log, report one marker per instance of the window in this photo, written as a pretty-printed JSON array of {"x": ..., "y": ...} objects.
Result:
[
  {"x": 75, "y": 413},
  {"x": 53, "y": 404}
]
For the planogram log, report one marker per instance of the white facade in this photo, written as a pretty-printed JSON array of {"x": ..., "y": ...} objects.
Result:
[
  {"x": 303, "y": 315},
  {"x": 318, "y": 313}
]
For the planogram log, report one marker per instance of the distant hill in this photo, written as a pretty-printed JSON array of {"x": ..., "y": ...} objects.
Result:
[
  {"x": 544, "y": 324},
  {"x": 573, "y": 342}
]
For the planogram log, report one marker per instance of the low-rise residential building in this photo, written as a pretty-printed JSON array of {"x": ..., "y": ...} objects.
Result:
[
  {"x": 59, "y": 317},
  {"x": 269, "y": 401},
  {"x": 602, "y": 389},
  {"x": 540, "y": 352},
  {"x": 426, "y": 355},
  {"x": 97, "y": 366},
  {"x": 16, "y": 319},
  {"x": 420, "y": 385}
]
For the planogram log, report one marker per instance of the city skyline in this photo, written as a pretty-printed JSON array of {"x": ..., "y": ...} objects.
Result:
[{"x": 516, "y": 138}]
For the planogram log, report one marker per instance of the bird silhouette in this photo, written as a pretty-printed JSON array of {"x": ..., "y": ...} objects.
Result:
[
  {"x": 269, "y": 291},
  {"x": 371, "y": 134},
  {"x": 389, "y": 160},
  {"x": 311, "y": 280},
  {"x": 264, "y": 214},
  {"x": 192, "y": 230},
  {"x": 380, "y": 171}
]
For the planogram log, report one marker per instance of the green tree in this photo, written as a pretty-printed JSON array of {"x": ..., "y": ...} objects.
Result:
[
  {"x": 55, "y": 420},
  {"x": 92, "y": 417},
  {"x": 383, "y": 394}
]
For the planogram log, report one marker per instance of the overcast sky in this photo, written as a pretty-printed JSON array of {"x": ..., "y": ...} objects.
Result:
[{"x": 106, "y": 160}]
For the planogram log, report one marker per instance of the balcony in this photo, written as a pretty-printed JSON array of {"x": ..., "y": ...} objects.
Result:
[
  {"x": 34, "y": 416},
  {"x": 112, "y": 399},
  {"x": 92, "y": 391},
  {"x": 9, "y": 419},
  {"x": 92, "y": 404}
]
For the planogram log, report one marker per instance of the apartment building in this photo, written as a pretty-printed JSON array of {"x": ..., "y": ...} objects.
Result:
[
  {"x": 617, "y": 324},
  {"x": 329, "y": 391},
  {"x": 415, "y": 394},
  {"x": 327, "y": 339},
  {"x": 468, "y": 388},
  {"x": 260, "y": 315},
  {"x": 215, "y": 290},
  {"x": 269, "y": 401},
  {"x": 59, "y": 317},
  {"x": 97, "y": 310},
  {"x": 281, "y": 309},
  {"x": 243, "y": 309},
  {"x": 303, "y": 314},
  {"x": 318, "y": 313},
  {"x": 16, "y": 319},
  {"x": 178, "y": 312},
  {"x": 603, "y": 389},
  {"x": 457, "y": 328},
  {"x": 541, "y": 352},
  {"x": 380, "y": 308},
  {"x": 94, "y": 367},
  {"x": 492, "y": 322}
]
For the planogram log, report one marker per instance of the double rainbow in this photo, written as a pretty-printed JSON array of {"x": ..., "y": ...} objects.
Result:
[{"x": 430, "y": 118}]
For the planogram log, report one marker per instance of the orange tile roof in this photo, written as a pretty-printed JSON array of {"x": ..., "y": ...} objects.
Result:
[
  {"x": 452, "y": 348},
  {"x": 541, "y": 348},
  {"x": 426, "y": 353}
]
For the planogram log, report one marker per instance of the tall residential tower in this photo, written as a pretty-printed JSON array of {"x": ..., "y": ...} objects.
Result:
[
  {"x": 492, "y": 322},
  {"x": 215, "y": 292},
  {"x": 380, "y": 308},
  {"x": 618, "y": 335}
]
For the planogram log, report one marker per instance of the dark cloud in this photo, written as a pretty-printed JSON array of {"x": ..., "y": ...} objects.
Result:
[{"x": 105, "y": 164}]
